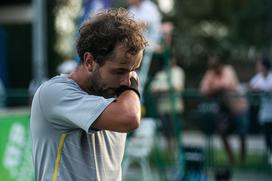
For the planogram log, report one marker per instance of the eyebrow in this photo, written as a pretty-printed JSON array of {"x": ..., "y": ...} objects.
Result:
[
  {"x": 127, "y": 70},
  {"x": 122, "y": 69}
]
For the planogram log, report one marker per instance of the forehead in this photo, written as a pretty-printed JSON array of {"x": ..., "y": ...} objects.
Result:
[{"x": 122, "y": 58}]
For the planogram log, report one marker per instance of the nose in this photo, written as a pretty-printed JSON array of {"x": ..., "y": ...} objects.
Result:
[{"x": 126, "y": 79}]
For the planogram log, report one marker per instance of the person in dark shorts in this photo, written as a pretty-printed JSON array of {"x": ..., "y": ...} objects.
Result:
[{"x": 221, "y": 84}]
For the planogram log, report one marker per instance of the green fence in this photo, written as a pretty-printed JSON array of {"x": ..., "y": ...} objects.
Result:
[{"x": 15, "y": 148}]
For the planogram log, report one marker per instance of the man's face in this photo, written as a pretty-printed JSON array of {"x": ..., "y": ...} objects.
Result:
[{"x": 116, "y": 71}]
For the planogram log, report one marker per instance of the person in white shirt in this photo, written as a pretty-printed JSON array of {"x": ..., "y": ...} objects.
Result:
[
  {"x": 262, "y": 82},
  {"x": 167, "y": 86},
  {"x": 146, "y": 11}
]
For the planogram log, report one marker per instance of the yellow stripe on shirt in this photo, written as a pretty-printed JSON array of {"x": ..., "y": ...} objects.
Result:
[{"x": 58, "y": 157}]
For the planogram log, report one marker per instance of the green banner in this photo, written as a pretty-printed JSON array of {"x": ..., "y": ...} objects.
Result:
[{"x": 15, "y": 148}]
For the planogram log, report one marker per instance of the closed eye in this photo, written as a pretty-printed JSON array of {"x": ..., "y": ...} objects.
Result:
[{"x": 120, "y": 72}]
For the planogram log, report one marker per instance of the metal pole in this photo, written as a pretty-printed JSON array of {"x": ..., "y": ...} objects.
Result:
[{"x": 39, "y": 55}]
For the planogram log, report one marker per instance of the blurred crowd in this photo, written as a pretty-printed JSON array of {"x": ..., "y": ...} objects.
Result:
[{"x": 219, "y": 86}]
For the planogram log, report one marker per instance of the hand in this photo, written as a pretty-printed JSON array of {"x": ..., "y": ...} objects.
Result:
[
  {"x": 133, "y": 85},
  {"x": 134, "y": 75}
]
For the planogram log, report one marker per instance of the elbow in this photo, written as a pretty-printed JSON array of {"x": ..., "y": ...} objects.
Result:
[
  {"x": 135, "y": 123},
  {"x": 132, "y": 123},
  {"x": 129, "y": 117}
]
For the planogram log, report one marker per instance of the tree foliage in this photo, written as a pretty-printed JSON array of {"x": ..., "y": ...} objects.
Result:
[{"x": 239, "y": 29}]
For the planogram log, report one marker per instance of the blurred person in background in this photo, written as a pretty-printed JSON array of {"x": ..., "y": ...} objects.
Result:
[
  {"x": 166, "y": 43},
  {"x": 79, "y": 120},
  {"x": 2, "y": 95},
  {"x": 167, "y": 85},
  {"x": 147, "y": 11},
  {"x": 220, "y": 82},
  {"x": 262, "y": 83},
  {"x": 161, "y": 86}
]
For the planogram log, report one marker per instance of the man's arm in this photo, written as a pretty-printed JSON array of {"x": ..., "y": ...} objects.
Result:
[
  {"x": 205, "y": 84},
  {"x": 122, "y": 115}
]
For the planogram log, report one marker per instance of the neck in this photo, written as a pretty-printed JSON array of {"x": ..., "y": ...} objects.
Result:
[{"x": 79, "y": 75}]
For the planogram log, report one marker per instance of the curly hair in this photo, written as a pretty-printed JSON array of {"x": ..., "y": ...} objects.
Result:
[{"x": 105, "y": 30}]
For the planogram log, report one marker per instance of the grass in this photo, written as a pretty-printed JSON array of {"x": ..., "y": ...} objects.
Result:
[
  {"x": 257, "y": 161},
  {"x": 165, "y": 165}
]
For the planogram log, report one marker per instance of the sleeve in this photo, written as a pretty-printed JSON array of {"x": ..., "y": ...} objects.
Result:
[
  {"x": 68, "y": 108},
  {"x": 178, "y": 79},
  {"x": 253, "y": 82},
  {"x": 267, "y": 85},
  {"x": 258, "y": 83},
  {"x": 159, "y": 82}
]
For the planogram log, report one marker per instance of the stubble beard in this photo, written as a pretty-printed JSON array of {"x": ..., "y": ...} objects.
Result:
[{"x": 98, "y": 88}]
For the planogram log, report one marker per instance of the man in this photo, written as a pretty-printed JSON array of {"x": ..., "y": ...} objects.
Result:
[
  {"x": 221, "y": 84},
  {"x": 167, "y": 86},
  {"x": 262, "y": 83},
  {"x": 79, "y": 121}
]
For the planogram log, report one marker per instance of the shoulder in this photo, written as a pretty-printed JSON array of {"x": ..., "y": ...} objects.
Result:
[
  {"x": 61, "y": 81},
  {"x": 58, "y": 87},
  {"x": 160, "y": 75},
  {"x": 270, "y": 75},
  {"x": 209, "y": 74},
  {"x": 229, "y": 68},
  {"x": 257, "y": 76},
  {"x": 178, "y": 69},
  {"x": 229, "y": 71}
]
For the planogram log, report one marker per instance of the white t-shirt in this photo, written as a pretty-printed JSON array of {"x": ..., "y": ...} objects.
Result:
[
  {"x": 161, "y": 84},
  {"x": 149, "y": 13},
  {"x": 264, "y": 84},
  {"x": 64, "y": 146}
]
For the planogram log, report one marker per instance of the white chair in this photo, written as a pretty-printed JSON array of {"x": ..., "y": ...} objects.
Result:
[{"x": 139, "y": 147}]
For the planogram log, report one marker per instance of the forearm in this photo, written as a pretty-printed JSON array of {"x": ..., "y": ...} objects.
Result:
[
  {"x": 130, "y": 103},
  {"x": 122, "y": 115}
]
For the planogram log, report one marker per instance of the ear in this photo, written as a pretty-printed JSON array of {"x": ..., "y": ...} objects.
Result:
[{"x": 88, "y": 61}]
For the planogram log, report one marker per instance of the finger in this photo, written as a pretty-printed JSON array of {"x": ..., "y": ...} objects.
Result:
[{"x": 134, "y": 75}]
